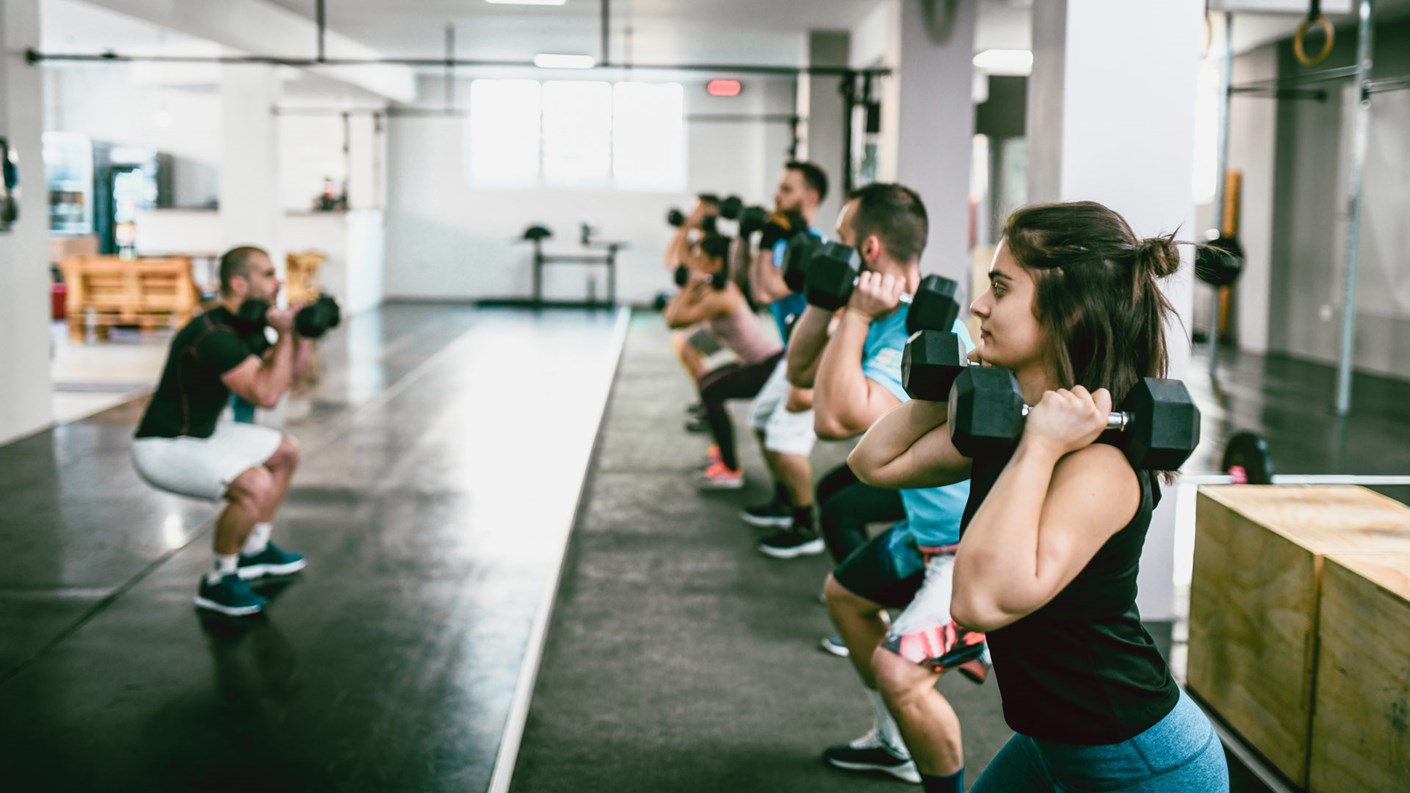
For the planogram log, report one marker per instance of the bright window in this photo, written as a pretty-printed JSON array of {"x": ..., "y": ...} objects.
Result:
[
  {"x": 504, "y": 133},
  {"x": 649, "y": 140},
  {"x": 576, "y": 133}
]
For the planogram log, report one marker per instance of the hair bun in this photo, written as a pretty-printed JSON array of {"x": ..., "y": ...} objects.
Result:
[{"x": 1159, "y": 256}]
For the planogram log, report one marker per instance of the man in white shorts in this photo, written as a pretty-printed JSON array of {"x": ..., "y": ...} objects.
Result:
[
  {"x": 783, "y": 415},
  {"x": 181, "y": 447}
]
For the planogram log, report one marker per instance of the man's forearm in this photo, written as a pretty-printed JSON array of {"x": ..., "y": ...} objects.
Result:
[
  {"x": 805, "y": 346},
  {"x": 841, "y": 386},
  {"x": 277, "y": 372},
  {"x": 766, "y": 279}
]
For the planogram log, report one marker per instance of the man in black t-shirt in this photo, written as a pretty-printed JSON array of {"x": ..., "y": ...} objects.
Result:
[{"x": 183, "y": 448}]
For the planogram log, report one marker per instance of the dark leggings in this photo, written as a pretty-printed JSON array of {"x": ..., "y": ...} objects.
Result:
[
  {"x": 732, "y": 381},
  {"x": 848, "y": 505}
]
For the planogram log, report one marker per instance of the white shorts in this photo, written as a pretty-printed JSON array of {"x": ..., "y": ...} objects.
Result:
[
  {"x": 784, "y": 432},
  {"x": 924, "y": 633},
  {"x": 204, "y": 467}
]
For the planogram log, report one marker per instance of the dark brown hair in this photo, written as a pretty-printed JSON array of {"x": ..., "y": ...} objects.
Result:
[
  {"x": 813, "y": 175},
  {"x": 895, "y": 215},
  {"x": 236, "y": 261},
  {"x": 1096, "y": 292}
]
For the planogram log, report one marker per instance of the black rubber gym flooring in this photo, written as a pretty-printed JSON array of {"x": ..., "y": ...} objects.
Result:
[{"x": 444, "y": 453}]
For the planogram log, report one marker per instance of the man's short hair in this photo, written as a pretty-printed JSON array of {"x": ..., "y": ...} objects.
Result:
[
  {"x": 236, "y": 261},
  {"x": 813, "y": 175},
  {"x": 895, "y": 215}
]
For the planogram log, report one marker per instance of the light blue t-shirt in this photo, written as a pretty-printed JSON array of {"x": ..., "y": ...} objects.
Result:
[
  {"x": 794, "y": 304},
  {"x": 932, "y": 513}
]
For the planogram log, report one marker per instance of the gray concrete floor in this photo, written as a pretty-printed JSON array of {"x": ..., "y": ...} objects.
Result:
[{"x": 433, "y": 502}]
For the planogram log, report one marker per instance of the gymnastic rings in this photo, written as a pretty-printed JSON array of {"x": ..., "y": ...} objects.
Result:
[{"x": 1319, "y": 20}]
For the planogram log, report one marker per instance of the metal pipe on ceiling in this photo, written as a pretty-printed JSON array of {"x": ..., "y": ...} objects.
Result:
[
  {"x": 322, "y": 29},
  {"x": 34, "y": 56},
  {"x": 606, "y": 33}
]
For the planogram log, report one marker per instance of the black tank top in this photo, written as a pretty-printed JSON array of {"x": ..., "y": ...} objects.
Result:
[{"x": 1082, "y": 669}]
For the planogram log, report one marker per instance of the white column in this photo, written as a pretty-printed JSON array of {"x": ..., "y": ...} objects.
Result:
[
  {"x": 1111, "y": 119},
  {"x": 825, "y": 123},
  {"x": 24, "y": 258},
  {"x": 250, "y": 200},
  {"x": 933, "y": 115},
  {"x": 1253, "y": 149}
]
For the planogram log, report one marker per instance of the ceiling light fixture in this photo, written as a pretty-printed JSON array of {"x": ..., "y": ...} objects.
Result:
[
  {"x": 547, "y": 60},
  {"x": 1009, "y": 62}
]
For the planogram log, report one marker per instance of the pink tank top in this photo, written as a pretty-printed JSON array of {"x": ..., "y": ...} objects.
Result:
[{"x": 741, "y": 332}]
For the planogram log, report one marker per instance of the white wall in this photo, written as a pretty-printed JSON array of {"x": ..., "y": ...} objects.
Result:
[
  {"x": 449, "y": 241},
  {"x": 24, "y": 266},
  {"x": 109, "y": 103}
]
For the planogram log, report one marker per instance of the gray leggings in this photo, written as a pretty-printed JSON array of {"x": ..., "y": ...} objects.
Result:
[{"x": 1180, "y": 753}]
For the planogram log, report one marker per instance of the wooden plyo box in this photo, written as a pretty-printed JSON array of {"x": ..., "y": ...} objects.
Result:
[
  {"x": 1361, "y": 706},
  {"x": 1254, "y": 597}
]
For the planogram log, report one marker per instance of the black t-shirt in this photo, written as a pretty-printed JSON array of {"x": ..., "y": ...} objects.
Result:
[
  {"x": 1082, "y": 669},
  {"x": 191, "y": 395}
]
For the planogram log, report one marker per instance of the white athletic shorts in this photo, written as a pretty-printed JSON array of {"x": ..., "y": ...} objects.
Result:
[
  {"x": 784, "y": 432},
  {"x": 204, "y": 467}
]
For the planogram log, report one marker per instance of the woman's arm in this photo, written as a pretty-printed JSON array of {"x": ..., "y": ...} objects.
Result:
[
  {"x": 1048, "y": 514},
  {"x": 698, "y": 301},
  {"x": 909, "y": 447}
]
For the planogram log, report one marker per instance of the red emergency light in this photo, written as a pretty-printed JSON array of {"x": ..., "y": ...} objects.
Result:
[{"x": 723, "y": 87}]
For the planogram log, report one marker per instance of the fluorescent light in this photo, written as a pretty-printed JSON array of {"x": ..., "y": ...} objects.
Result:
[
  {"x": 1011, "y": 62},
  {"x": 527, "y": 2},
  {"x": 548, "y": 60}
]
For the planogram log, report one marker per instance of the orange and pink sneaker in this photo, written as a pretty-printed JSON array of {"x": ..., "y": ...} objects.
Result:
[
  {"x": 718, "y": 477},
  {"x": 712, "y": 454}
]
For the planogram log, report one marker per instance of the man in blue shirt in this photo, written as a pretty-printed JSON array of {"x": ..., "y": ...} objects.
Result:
[{"x": 856, "y": 374}]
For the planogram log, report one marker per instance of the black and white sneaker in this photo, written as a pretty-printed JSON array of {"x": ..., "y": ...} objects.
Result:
[
  {"x": 870, "y": 753},
  {"x": 788, "y": 543},
  {"x": 772, "y": 515}
]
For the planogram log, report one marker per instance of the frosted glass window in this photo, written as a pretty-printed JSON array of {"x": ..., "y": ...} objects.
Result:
[
  {"x": 504, "y": 133},
  {"x": 648, "y": 141},
  {"x": 577, "y": 133}
]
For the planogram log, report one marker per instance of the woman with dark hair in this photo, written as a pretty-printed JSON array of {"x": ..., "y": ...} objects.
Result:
[
  {"x": 1051, "y": 537},
  {"x": 709, "y": 295}
]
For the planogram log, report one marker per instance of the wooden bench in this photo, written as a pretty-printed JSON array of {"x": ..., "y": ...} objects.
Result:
[{"x": 107, "y": 291}]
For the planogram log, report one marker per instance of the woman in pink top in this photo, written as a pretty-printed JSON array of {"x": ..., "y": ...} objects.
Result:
[{"x": 710, "y": 296}]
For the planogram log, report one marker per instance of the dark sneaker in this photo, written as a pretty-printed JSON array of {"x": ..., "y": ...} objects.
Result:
[
  {"x": 697, "y": 424},
  {"x": 229, "y": 595},
  {"x": 834, "y": 645},
  {"x": 870, "y": 753},
  {"x": 696, "y": 409},
  {"x": 788, "y": 543},
  {"x": 773, "y": 515},
  {"x": 273, "y": 560}
]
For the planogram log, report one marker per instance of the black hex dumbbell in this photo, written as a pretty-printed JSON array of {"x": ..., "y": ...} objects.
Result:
[
  {"x": 718, "y": 279},
  {"x": 1158, "y": 421},
  {"x": 318, "y": 317},
  {"x": 796, "y": 259},
  {"x": 831, "y": 272}
]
